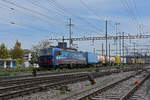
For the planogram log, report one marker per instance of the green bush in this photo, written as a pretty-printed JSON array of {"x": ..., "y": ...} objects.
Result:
[
  {"x": 97, "y": 70},
  {"x": 4, "y": 73}
]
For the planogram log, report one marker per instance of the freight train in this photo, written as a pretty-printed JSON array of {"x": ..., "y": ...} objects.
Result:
[{"x": 55, "y": 57}]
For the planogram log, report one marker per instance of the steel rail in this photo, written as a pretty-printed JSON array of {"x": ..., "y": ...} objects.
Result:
[
  {"x": 13, "y": 94},
  {"x": 3, "y": 78},
  {"x": 39, "y": 74},
  {"x": 57, "y": 77},
  {"x": 87, "y": 97},
  {"x": 22, "y": 81},
  {"x": 38, "y": 86},
  {"x": 28, "y": 85},
  {"x": 134, "y": 89}
]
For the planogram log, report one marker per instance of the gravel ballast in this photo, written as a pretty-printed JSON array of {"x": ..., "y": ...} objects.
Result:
[{"x": 56, "y": 94}]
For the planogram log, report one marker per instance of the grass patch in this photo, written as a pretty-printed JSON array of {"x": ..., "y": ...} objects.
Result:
[
  {"x": 8, "y": 73},
  {"x": 20, "y": 70},
  {"x": 4, "y": 73},
  {"x": 14, "y": 71}
]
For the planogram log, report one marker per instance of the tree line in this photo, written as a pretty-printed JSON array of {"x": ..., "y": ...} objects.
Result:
[{"x": 15, "y": 53}]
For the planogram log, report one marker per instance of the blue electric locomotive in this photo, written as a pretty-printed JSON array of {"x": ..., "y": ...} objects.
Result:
[{"x": 57, "y": 57}]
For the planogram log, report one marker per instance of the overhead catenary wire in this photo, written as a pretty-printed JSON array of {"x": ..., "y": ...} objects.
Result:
[
  {"x": 68, "y": 12},
  {"x": 15, "y": 9},
  {"x": 132, "y": 11},
  {"x": 86, "y": 6},
  {"x": 71, "y": 14},
  {"x": 139, "y": 15},
  {"x": 16, "y": 23},
  {"x": 37, "y": 4},
  {"x": 19, "y": 25},
  {"x": 59, "y": 12},
  {"x": 92, "y": 11},
  {"x": 27, "y": 27},
  {"x": 132, "y": 16},
  {"x": 34, "y": 11}
]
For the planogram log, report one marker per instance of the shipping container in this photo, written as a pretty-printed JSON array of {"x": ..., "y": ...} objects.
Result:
[
  {"x": 117, "y": 59},
  {"x": 91, "y": 58}
]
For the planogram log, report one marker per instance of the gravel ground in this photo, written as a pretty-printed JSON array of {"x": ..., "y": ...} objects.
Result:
[
  {"x": 103, "y": 84},
  {"x": 119, "y": 90},
  {"x": 142, "y": 93},
  {"x": 55, "y": 94}
]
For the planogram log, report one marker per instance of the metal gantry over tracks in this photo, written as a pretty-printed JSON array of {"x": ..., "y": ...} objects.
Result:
[{"x": 137, "y": 36}]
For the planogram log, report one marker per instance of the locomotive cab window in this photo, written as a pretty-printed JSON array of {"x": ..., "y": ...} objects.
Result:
[{"x": 47, "y": 51}]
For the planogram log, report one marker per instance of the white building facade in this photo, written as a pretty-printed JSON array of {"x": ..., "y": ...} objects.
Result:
[
  {"x": 27, "y": 58},
  {"x": 7, "y": 63}
]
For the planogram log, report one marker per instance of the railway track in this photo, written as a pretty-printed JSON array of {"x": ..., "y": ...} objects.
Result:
[
  {"x": 26, "y": 87},
  {"x": 142, "y": 93},
  {"x": 129, "y": 95},
  {"x": 22, "y": 89},
  {"x": 120, "y": 90},
  {"x": 59, "y": 77},
  {"x": 13, "y": 88},
  {"x": 2, "y": 78},
  {"x": 38, "y": 75},
  {"x": 53, "y": 78}
]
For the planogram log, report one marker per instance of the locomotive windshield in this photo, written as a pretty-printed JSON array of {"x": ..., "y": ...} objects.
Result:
[{"x": 46, "y": 52}]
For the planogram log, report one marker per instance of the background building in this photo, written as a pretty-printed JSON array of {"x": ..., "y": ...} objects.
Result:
[
  {"x": 7, "y": 63},
  {"x": 27, "y": 57}
]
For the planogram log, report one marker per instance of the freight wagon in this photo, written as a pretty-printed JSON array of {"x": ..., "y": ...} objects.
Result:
[
  {"x": 91, "y": 59},
  {"x": 101, "y": 59}
]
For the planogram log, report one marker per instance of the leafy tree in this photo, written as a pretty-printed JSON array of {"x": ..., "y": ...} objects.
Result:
[
  {"x": 36, "y": 50},
  {"x": 17, "y": 52},
  {"x": 41, "y": 45},
  {"x": 19, "y": 62},
  {"x": 3, "y": 51},
  {"x": 35, "y": 58}
]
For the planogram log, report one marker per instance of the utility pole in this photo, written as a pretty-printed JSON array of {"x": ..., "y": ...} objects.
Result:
[
  {"x": 70, "y": 32},
  {"x": 106, "y": 43},
  {"x": 134, "y": 51},
  {"x": 123, "y": 46},
  {"x": 94, "y": 50},
  {"x": 120, "y": 43},
  {"x": 102, "y": 49},
  {"x": 63, "y": 41},
  {"x": 109, "y": 53},
  {"x": 116, "y": 37}
]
